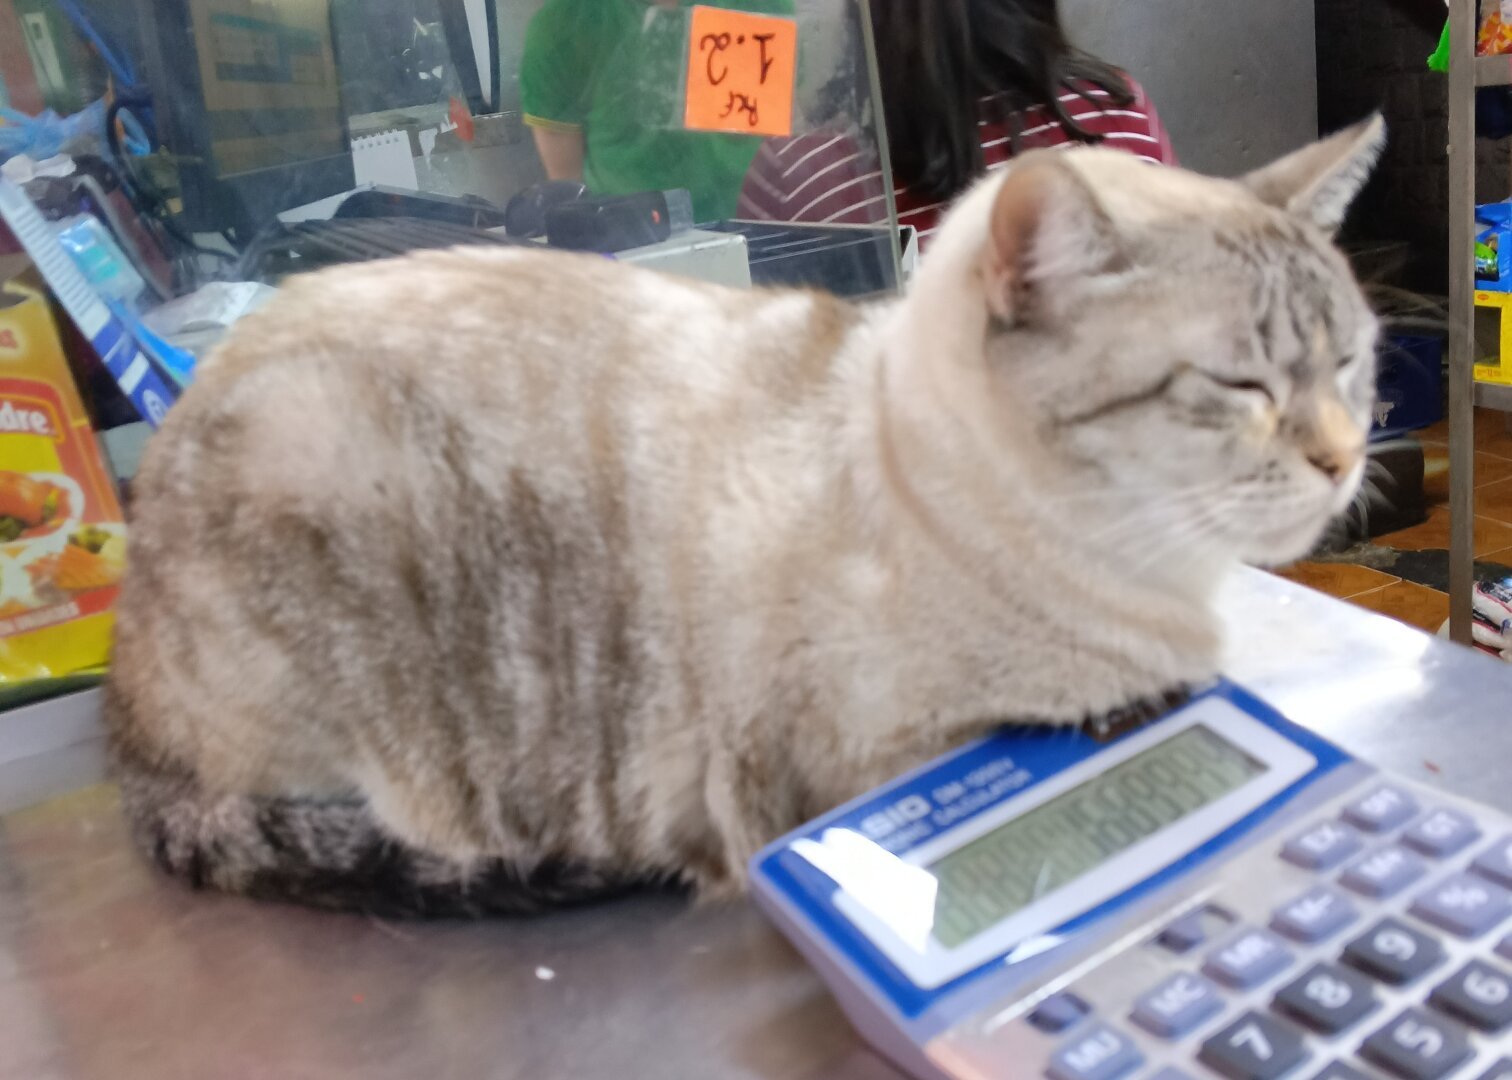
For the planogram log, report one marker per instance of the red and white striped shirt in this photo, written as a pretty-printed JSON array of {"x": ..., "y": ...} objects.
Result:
[{"x": 825, "y": 178}]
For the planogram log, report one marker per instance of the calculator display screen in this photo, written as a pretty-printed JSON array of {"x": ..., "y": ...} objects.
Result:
[{"x": 998, "y": 874}]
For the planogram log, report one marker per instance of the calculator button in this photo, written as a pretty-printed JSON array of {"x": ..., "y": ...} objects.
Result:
[
  {"x": 1384, "y": 872},
  {"x": 1465, "y": 906},
  {"x": 1504, "y": 950},
  {"x": 1381, "y": 811},
  {"x": 1248, "y": 959},
  {"x": 1322, "y": 847},
  {"x": 1496, "y": 862},
  {"x": 1478, "y": 994},
  {"x": 1059, "y": 1012},
  {"x": 1442, "y": 833},
  {"x": 1340, "y": 1071},
  {"x": 1315, "y": 915},
  {"x": 1100, "y": 1054},
  {"x": 1393, "y": 952},
  {"x": 1328, "y": 999},
  {"x": 1186, "y": 933},
  {"x": 1254, "y": 1047},
  {"x": 1416, "y": 1046},
  {"x": 1502, "y": 1070},
  {"x": 1177, "y": 1006}
]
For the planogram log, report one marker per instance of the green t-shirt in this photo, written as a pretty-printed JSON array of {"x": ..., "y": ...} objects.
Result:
[{"x": 613, "y": 69}]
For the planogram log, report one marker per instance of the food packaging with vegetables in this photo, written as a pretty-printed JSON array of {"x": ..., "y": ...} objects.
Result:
[{"x": 62, "y": 534}]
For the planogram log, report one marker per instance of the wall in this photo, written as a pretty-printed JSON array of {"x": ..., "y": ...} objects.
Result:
[
  {"x": 1234, "y": 80},
  {"x": 1371, "y": 54}
]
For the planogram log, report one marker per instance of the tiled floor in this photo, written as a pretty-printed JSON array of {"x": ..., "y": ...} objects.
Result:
[{"x": 1416, "y": 604}]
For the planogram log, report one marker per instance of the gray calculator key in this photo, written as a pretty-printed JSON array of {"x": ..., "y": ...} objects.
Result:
[
  {"x": 1442, "y": 832},
  {"x": 1059, "y": 1012},
  {"x": 1315, "y": 915},
  {"x": 1393, "y": 952},
  {"x": 1381, "y": 810},
  {"x": 1383, "y": 872},
  {"x": 1463, "y": 905},
  {"x": 1248, "y": 960},
  {"x": 1480, "y": 995},
  {"x": 1328, "y": 999},
  {"x": 1337, "y": 1070},
  {"x": 1098, "y": 1054},
  {"x": 1177, "y": 1005},
  {"x": 1185, "y": 934},
  {"x": 1322, "y": 847},
  {"x": 1254, "y": 1047},
  {"x": 1502, "y": 1070},
  {"x": 1496, "y": 862},
  {"x": 1416, "y": 1046}
]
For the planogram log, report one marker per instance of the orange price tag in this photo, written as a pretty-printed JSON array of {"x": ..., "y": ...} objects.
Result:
[{"x": 741, "y": 72}]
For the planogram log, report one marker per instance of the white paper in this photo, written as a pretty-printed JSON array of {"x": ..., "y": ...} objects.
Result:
[
  {"x": 385, "y": 159},
  {"x": 213, "y": 307}
]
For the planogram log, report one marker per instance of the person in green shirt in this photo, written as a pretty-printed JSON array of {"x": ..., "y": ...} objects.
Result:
[{"x": 601, "y": 82}]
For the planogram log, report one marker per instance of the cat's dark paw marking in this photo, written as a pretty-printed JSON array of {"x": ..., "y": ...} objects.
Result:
[{"x": 1131, "y": 717}]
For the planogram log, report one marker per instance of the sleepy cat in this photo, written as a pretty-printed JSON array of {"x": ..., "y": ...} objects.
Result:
[{"x": 485, "y": 580}]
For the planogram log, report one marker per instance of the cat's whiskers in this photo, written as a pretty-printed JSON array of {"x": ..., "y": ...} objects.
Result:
[
  {"x": 1377, "y": 448},
  {"x": 1123, "y": 491},
  {"x": 1201, "y": 527},
  {"x": 1153, "y": 512}
]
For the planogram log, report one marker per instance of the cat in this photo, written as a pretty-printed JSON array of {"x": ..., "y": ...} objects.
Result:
[{"x": 489, "y": 580}]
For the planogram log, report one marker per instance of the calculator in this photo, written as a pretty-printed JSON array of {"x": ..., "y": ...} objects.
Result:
[{"x": 1220, "y": 893}]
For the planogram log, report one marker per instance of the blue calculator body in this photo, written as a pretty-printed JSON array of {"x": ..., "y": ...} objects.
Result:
[{"x": 1220, "y": 893}]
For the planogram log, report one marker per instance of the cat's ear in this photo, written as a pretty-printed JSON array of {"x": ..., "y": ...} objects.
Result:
[
  {"x": 1318, "y": 182},
  {"x": 1047, "y": 227}
]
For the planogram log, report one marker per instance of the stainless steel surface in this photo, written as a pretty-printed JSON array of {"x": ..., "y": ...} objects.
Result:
[
  {"x": 1463, "y": 69},
  {"x": 1493, "y": 71},
  {"x": 49, "y": 748},
  {"x": 107, "y": 971},
  {"x": 1493, "y": 396}
]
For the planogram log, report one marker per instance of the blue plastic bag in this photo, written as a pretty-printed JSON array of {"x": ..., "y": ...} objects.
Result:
[{"x": 46, "y": 134}]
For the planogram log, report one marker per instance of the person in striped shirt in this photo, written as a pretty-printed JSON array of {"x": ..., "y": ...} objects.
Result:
[{"x": 966, "y": 85}]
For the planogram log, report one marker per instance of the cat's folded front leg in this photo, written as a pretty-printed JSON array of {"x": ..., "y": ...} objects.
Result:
[{"x": 1136, "y": 714}]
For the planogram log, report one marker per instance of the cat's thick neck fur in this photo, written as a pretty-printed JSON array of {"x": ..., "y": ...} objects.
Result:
[{"x": 978, "y": 527}]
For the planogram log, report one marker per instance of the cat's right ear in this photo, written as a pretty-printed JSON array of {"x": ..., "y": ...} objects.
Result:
[
  {"x": 1318, "y": 182},
  {"x": 1047, "y": 227}
]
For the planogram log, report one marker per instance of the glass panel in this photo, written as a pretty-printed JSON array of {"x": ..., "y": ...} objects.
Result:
[{"x": 254, "y": 139}]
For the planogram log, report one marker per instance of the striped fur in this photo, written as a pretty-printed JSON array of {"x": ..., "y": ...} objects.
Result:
[{"x": 486, "y": 581}]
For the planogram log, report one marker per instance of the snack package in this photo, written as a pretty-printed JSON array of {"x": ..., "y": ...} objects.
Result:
[
  {"x": 62, "y": 534},
  {"x": 1495, "y": 38},
  {"x": 1493, "y": 231}
]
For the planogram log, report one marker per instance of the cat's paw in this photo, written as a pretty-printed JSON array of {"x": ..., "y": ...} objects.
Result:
[
  {"x": 1135, "y": 715},
  {"x": 713, "y": 888}
]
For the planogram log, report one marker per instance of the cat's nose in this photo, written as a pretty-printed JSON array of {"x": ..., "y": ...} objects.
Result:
[
  {"x": 1327, "y": 464},
  {"x": 1334, "y": 444}
]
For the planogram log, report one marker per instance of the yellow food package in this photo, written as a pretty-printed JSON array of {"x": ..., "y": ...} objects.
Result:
[
  {"x": 62, "y": 534},
  {"x": 1495, "y": 38}
]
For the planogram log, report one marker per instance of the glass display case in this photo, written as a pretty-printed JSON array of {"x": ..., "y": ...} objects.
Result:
[
  {"x": 240, "y": 141},
  {"x": 168, "y": 165}
]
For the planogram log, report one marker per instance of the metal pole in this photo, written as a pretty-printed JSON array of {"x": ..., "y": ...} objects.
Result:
[{"x": 1462, "y": 31}]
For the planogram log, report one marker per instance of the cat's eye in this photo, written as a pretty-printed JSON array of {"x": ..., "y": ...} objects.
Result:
[{"x": 1245, "y": 386}]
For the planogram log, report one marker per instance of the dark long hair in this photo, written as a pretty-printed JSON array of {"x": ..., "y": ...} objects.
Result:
[{"x": 940, "y": 59}]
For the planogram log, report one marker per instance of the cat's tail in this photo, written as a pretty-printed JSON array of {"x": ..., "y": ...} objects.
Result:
[{"x": 323, "y": 853}]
